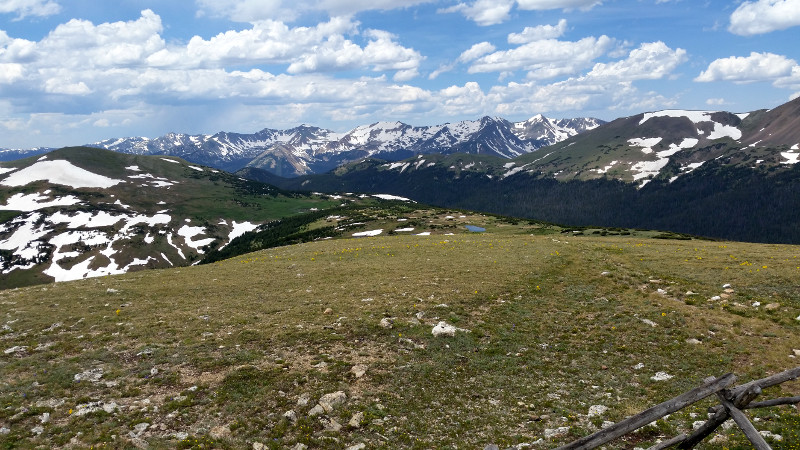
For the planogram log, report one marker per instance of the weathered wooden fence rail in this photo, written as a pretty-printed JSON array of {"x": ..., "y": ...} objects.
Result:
[{"x": 732, "y": 402}]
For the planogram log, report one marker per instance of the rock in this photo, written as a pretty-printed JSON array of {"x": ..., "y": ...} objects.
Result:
[
  {"x": 181, "y": 435},
  {"x": 444, "y": 329},
  {"x": 649, "y": 322},
  {"x": 328, "y": 311},
  {"x": 550, "y": 433},
  {"x": 355, "y": 421},
  {"x": 491, "y": 447},
  {"x": 303, "y": 400},
  {"x": 606, "y": 424},
  {"x": 724, "y": 296},
  {"x": 661, "y": 376},
  {"x": 360, "y": 446},
  {"x": 726, "y": 286},
  {"x": 300, "y": 446},
  {"x": 4, "y": 430},
  {"x": 259, "y": 446},
  {"x": 796, "y": 352},
  {"x": 756, "y": 304},
  {"x": 19, "y": 349},
  {"x": 715, "y": 298},
  {"x": 316, "y": 410},
  {"x": 331, "y": 425},
  {"x": 771, "y": 436},
  {"x": 330, "y": 401},
  {"x": 220, "y": 432},
  {"x": 386, "y": 323},
  {"x": 605, "y": 274},
  {"x": 772, "y": 306},
  {"x": 358, "y": 370},
  {"x": 37, "y": 430},
  {"x": 111, "y": 291},
  {"x": 597, "y": 410},
  {"x": 45, "y": 417},
  {"x": 693, "y": 341},
  {"x": 92, "y": 375},
  {"x": 638, "y": 366},
  {"x": 729, "y": 291},
  {"x": 291, "y": 416}
]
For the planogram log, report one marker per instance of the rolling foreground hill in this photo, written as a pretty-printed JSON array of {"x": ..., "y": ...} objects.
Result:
[
  {"x": 542, "y": 335},
  {"x": 717, "y": 174},
  {"x": 86, "y": 212}
]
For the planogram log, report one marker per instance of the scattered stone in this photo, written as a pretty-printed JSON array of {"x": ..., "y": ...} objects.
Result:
[
  {"x": 360, "y": 446},
  {"x": 330, "y": 401},
  {"x": 37, "y": 430},
  {"x": 19, "y": 349},
  {"x": 550, "y": 433},
  {"x": 220, "y": 432},
  {"x": 386, "y": 322},
  {"x": 355, "y": 421},
  {"x": 53, "y": 327},
  {"x": 770, "y": 435},
  {"x": 303, "y": 400},
  {"x": 315, "y": 411},
  {"x": 606, "y": 424},
  {"x": 638, "y": 366},
  {"x": 693, "y": 341},
  {"x": 444, "y": 329},
  {"x": 181, "y": 435},
  {"x": 331, "y": 425},
  {"x": 91, "y": 375},
  {"x": 661, "y": 376},
  {"x": 111, "y": 291},
  {"x": 661, "y": 292},
  {"x": 729, "y": 291},
  {"x": 491, "y": 447},
  {"x": 726, "y": 286},
  {"x": 50, "y": 403},
  {"x": 140, "y": 428},
  {"x": 259, "y": 446},
  {"x": 300, "y": 446},
  {"x": 328, "y": 311},
  {"x": 44, "y": 418},
  {"x": 4, "y": 430},
  {"x": 597, "y": 410},
  {"x": 756, "y": 304},
  {"x": 358, "y": 370},
  {"x": 605, "y": 274},
  {"x": 772, "y": 306},
  {"x": 724, "y": 296},
  {"x": 796, "y": 352},
  {"x": 86, "y": 408},
  {"x": 290, "y": 415},
  {"x": 690, "y": 293},
  {"x": 649, "y": 322},
  {"x": 697, "y": 424}
]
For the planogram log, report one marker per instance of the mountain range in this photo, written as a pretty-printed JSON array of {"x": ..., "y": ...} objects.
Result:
[
  {"x": 307, "y": 149},
  {"x": 711, "y": 173}
]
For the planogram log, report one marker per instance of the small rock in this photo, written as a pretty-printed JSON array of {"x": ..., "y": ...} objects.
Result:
[
  {"x": 45, "y": 417},
  {"x": 303, "y": 400},
  {"x": 724, "y": 296},
  {"x": 756, "y": 304},
  {"x": 37, "y": 430},
  {"x": 770, "y": 435},
  {"x": 796, "y": 352},
  {"x": 491, "y": 447},
  {"x": 386, "y": 323},
  {"x": 111, "y": 291},
  {"x": 550, "y": 433},
  {"x": 358, "y": 370},
  {"x": 726, "y": 286},
  {"x": 300, "y": 446},
  {"x": 4, "y": 430},
  {"x": 181, "y": 435},
  {"x": 605, "y": 274},
  {"x": 355, "y": 421},
  {"x": 316, "y": 410},
  {"x": 360, "y": 446},
  {"x": 697, "y": 424},
  {"x": 693, "y": 341},
  {"x": 220, "y": 432},
  {"x": 92, "y": 375},
  {"x": 331, "y": 425},
  {"x": 649, "y": 322},
  {"x": 661, "y": 376},
  {"x": 638, "y": 366},
  {"x": 291, "y": 416},
  {"x": 729, "y": 291},
  {"x": 444, "y": 329},
  {"x": 597, "y": 410},
  {"x": 259, "y": 446},
  {"x": 328, "y": 311},
  {"x": 330, "y": 401},
  {"x": 17, "y": 349},
  {"x": 772, "y": 306},
  {"x": 606, "y": 424},
  {"x": 715, "y": 298}
]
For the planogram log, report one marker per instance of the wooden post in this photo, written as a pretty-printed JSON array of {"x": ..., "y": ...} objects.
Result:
[
  {"x": 656, "y": 412},
  {"x": 749, "y": 430},
  {"x": 743, "y": 398}
]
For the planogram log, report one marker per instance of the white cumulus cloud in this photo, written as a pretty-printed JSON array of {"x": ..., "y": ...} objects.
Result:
[
  {"x": 651, "y": 61},
  {"x": 538, "y": 33},
  {"x": 252, "y": 11},
  {"x": 748, "y": 69},
  {"x": 764, "y": 16},
  {"x": 24, "y": 8},
  {"x": 483, "y": 12}
]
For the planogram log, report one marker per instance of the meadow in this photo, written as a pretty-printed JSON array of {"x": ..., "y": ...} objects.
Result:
[{"x": 329, "y": 344}]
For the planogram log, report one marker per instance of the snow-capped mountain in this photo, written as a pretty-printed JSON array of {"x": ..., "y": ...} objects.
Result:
[{"x": 306, "y": 149}]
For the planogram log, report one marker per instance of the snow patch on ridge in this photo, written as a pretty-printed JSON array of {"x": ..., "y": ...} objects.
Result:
[
  {"x": 59, "y": 172},
  {"x": 33, "y": 202}
]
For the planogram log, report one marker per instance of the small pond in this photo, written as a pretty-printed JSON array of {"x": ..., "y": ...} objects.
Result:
[{"x": 475, "y": 229}]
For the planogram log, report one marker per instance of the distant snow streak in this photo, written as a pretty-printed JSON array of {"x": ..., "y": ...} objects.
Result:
[{"x": 59, "y": 172}]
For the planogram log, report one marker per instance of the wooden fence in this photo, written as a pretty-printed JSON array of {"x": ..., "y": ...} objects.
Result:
[{"x": 732, "y": 402}]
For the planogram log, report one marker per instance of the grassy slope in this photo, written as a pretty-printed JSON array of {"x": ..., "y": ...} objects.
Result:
[{"x": 549, "y": 337}]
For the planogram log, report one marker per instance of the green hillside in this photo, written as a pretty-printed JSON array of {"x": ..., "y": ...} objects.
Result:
[{"x": 329, "y": 344}]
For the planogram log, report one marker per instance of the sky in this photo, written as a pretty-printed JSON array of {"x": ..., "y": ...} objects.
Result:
[{"x": 79, "y": 71}]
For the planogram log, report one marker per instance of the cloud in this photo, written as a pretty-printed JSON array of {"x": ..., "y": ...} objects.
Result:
[
  {"x": 251, "y": 11},
  {"x": 483, "y": 12},
  {"x": 545, "y": 58},
  {"x": 715, "y": 102},
  {"x": 538, "y": 33},
  {"x": 651, "y": 61},
  {"x": 24, "y": 8},
  {"x": 748, "y": 69},
  {"x": 476, "y": 51},
  {"x": 764, "y": 16},
  {"x": 558, "y": 4}
]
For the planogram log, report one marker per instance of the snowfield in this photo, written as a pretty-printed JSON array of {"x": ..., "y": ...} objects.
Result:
[
  {"x": 59, "y": 172},
  {"x": 34, "y": 202}
]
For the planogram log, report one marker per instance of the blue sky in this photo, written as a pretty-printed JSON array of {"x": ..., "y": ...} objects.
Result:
[{"x": 79, "y": 71}]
